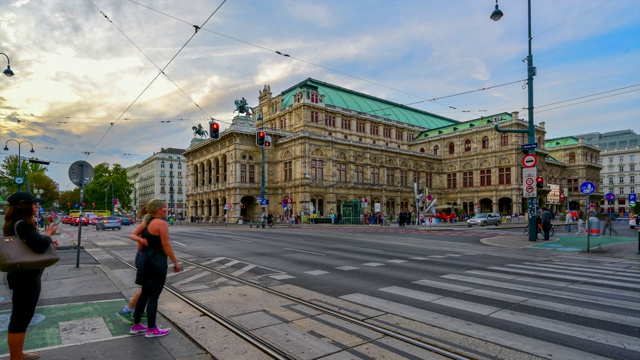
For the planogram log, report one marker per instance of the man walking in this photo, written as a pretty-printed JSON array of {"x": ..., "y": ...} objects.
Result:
[
  {"x": 568, "y": 221},
  {"x": 545, "y": 220}
]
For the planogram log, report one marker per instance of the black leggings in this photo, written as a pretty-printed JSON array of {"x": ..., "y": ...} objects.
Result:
[
  {"x": 153, "y": 279},
  {"x": 26, "y": 286}
]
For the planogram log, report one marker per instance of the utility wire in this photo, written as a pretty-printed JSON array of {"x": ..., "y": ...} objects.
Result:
[
  {"x": 590, "y": 100},
  {"x": 570, "y": 19},
  {"x": 586, "y": 96},
  {"x": 302, "y": 60},
  {"x": 156, "y": 77}
]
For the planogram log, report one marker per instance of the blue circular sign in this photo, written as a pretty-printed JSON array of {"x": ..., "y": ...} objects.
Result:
[
  {"x": 587, "y": 188},
  {"x": 610, "y": 196}
]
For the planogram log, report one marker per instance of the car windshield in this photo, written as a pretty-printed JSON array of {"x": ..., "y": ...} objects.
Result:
[{"x": 480, "y": 216}]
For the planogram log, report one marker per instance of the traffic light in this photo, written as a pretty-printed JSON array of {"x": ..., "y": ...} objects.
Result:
[
  {"x": 93, "y": 204},
  {"x": 214, "y": 130},
  {"x": 260, "y": 138},
  {"x": 84, "y": 205},
  {"x": 267, "y": 141},
  {"x": 68, "y": 204},
  {"x": 539, "y": 182}
]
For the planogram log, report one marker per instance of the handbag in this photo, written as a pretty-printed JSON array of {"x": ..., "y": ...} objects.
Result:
[{"x": 16, "y": 255}]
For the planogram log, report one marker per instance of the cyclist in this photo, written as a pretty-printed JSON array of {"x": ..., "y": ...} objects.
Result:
[{"x": 545, "y": 219}]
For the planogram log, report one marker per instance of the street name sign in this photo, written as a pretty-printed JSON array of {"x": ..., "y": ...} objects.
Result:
[
  {"x": 529, "y": 161},
  {"x": 529, "y": 146}
]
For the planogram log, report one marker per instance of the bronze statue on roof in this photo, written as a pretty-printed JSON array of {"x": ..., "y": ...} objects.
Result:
[{"x": 243, "y": 108}]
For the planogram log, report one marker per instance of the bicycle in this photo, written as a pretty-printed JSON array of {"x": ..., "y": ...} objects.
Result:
[{"x": 540, "y": 233}]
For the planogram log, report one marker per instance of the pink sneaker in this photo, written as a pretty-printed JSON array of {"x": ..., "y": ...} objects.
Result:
[
  {"x": 156, "y": 332},
  {"x": 137, "y": 329}
]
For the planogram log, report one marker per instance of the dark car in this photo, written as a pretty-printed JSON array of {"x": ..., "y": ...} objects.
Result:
[
  {"x": 108, "y": 222},
  {"x": 126, "y": 221}
]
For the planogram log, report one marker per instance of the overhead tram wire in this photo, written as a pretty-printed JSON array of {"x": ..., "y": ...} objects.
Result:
[
  {"x": 600, "y": 93},
  {"x": 159, "y": 73},
  {"x": 298, "y": 59},
  {"x": 587, "y": 101}
]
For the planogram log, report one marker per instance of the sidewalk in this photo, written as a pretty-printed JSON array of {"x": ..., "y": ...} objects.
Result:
[{"x": 76, "y": 316}]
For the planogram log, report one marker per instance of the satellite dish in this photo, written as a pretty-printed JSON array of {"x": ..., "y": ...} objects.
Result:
[{"x": 76, "y": 173}]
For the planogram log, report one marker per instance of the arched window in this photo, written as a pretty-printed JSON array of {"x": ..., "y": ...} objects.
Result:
[
  {"x": 452, "y": 148},
  {"x": 436, "y": 150},
  {"x": 485, "y": 142},
  {"x": 467, "y": 145},
  {"x": 504, "y": 139},
  {"x": 572, "y": 158}
]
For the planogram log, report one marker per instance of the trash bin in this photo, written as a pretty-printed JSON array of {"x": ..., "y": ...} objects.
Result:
[{"x": 594, "y": 226}]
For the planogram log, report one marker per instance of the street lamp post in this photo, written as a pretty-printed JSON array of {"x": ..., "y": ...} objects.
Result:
[
  {"x": 170, "y": 182},
  {"x": 19, "y": 180},
  {"x": 7, "y": 72},
  {"x": 531, "y": 130}
]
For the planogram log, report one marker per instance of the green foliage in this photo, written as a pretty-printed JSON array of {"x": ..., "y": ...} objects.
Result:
[
  {"x": 108, "y": 183},
  {"x": 35, "y": 178}
]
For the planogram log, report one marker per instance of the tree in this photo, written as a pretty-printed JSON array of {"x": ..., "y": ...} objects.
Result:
[
  {"x": 107, "y": 181},
  {"x": 69, "y": 197},
  {"x": 35, "y": 178}
]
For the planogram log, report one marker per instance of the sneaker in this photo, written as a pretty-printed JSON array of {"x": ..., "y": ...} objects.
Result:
[
  {"x": 137, "y": 329},
  {"x": 126, "y": 316},
  {"x": 156, "y": 332}
]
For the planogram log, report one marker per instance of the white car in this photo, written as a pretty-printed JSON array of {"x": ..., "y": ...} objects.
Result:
[
  {"x": 485, "y": 219},
  {"x": 633, "y": 222}
]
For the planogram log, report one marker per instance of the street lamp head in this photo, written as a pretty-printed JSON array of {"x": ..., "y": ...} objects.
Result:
[
  {"x": 8, "y": 72},
  {"x": 6, "y": 148},
  {"x": 497, "y": 13},
  {"x": 31, "y": 151}
]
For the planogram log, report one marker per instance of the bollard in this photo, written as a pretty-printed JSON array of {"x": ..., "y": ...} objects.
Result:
[{"x": 594, "y": 226}]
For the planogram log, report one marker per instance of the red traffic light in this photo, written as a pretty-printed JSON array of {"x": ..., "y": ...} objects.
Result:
[
  {"x": 214, "y": 130},
  {"x": 260, "y": 138},
  {"x": 539, "y": 182}
]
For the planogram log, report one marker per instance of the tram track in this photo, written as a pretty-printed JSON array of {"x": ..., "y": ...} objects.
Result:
[{"x": 267, "y": 347}]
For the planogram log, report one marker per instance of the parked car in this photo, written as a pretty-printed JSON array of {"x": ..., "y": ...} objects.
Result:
[
  {"x": 126, "y": 221},
  {"x": 108, "y": 222},
  {"x": 485, "y": 219}
]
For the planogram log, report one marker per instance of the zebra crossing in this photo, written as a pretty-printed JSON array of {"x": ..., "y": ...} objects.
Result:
[{"x": 577, "y": 311}]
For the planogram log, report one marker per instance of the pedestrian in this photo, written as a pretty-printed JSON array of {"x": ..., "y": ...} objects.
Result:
[
  {"x": 608, "y": 224},
  {"x": 638, "y": 227},
  {"x": 47, "y": 222},
  {"x": 581, "y": 228},
  {"x": 152, "y": 266},
  {"x": 568, "y": 221},
  {"x": 26, "y": 284},
  {"x": 545, "y": 219},
  {"x": 127, "y": 311}
]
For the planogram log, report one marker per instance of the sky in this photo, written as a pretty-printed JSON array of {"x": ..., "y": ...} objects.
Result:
[{"x": 88, "y": 83}]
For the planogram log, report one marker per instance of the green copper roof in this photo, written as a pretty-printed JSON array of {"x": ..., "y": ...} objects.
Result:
[
  {"x": 462, "y": 125},
  {"x": 569, "y": 140},
  {"x": 355, "y": 101}
]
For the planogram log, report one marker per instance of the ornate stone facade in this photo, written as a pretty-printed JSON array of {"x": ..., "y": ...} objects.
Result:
[{"x": 332, "y": 145}]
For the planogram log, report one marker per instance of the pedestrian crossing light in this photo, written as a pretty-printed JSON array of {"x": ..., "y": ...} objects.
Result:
[
  {"x": 214, "y": 130},
  {"x": 261, "y": 138},
  {"x": 539, "y": 182},
  {"x": 267, "y": 141}
]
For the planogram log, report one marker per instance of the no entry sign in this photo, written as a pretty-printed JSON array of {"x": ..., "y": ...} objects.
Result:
[{"x": 529, "y": 160}]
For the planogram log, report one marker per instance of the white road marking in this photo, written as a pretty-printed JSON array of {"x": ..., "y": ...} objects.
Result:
[
  {"x": 179, "y": 243},
  {"x": 316, "y": 272},
  {"x": 373, "y": 264},
  {"x": 306, "y": 252},
  {"x": 347, "y": 268}
]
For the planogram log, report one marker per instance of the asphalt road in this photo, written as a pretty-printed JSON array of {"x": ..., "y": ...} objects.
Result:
[{"x": 546, "y": 303}]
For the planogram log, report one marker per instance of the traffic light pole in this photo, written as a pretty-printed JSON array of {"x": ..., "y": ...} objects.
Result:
[{"x": 262, "y": 186}]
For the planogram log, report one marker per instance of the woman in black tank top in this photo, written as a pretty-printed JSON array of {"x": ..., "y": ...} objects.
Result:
[{"x": 152, "y": 266}]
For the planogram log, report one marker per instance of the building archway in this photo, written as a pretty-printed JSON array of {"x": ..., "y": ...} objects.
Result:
[
  {"x": 505, "y": 206},
  {"x": 248, "y": 208},
  {"x": 486, "y": 205},
  {"x": 574, "y": 205}
]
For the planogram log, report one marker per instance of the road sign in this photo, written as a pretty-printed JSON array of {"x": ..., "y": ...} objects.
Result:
[
  {"x": 529, "y": 160},
  {"x": 529, "y": 146},
  {"x": 610, "y": 196},
  {"x": 264, "y": 201},
  {"x": 529, "y": 187},
  {"x": 77, "y": 169},
  {"x": 632, "y": 199},
  {"x": 587, "y": 188}
]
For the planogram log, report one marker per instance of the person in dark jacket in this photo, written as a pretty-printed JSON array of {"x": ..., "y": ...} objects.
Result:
[{"x": 26, "y": 284}]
